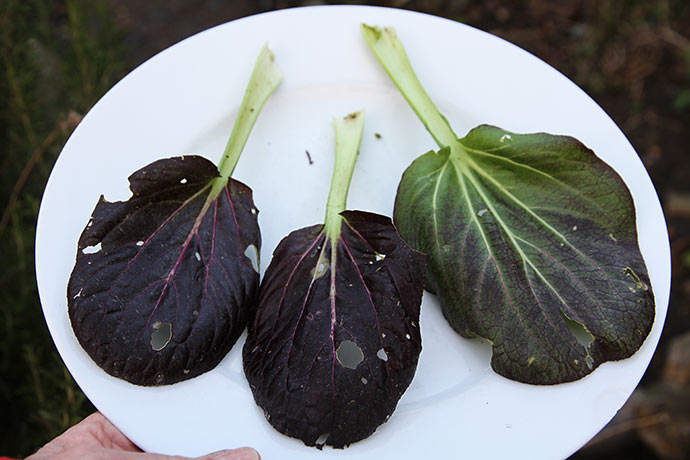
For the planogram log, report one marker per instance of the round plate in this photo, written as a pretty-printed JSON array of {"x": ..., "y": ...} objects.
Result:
[{"x": 183, "y": 101}]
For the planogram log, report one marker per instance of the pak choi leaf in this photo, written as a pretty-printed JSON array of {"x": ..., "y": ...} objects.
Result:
[
  {"x": 164, "y": 283},
  {"x": 531, "y": 240},
  {"x": 335, "y": 339}
]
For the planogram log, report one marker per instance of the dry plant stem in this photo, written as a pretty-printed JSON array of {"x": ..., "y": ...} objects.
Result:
[{"x": 65, "y": 126}]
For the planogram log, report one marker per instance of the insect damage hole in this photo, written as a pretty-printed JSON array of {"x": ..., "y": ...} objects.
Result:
[
  {"x": 161, "y": 335},
  {"x": 92, "y": 249},
  {"x": 382, "y": 355},
  {"x": 321, "y": 268},
  {"x": 321, "y": 440},
  {"x": 253, "y": 255},
  {"x": 349, "y": 354},
  {"x": 579, "y": 331}
]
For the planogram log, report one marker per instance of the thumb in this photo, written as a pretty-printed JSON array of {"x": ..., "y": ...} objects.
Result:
[{"x": 243, "y": 453}]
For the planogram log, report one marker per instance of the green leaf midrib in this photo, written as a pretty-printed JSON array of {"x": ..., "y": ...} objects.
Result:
[
  {"x": 488, "y": 153},
  {"x": 466, "y": 168},
  {"x": 463, "y": 172}
]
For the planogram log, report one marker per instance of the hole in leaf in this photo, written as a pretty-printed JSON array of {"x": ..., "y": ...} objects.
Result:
[
  {"x": 321, "y": 440},
  {"x": 380, "y": 257},
  {"x": 349, "y": 354},
  {"x": 161, "y": 335},
  {"x": 582, "y": 335},
  {"x": 636, "y": 279},
  {"x": 320, "y": 269},
  {"x": 183, "y": 180},
  {"x": 92, "y": 249},
  {"x": 253, "y": 255},
  {"x": 381, "y": 354},
  {"x": 364, "y": 380},
  {"x": 140, "y": 243}
]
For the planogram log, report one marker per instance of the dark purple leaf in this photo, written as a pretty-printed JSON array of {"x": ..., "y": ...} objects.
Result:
[
  {"x": 164, "y": 282},
  {"x": 335, "y": 340}
]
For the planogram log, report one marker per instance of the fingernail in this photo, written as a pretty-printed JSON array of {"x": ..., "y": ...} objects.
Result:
[{"x": 243, "y": 453}]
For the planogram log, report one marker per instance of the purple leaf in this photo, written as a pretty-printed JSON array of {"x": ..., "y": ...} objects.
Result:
[
  {"x": 164, "y": 282},
  {"x": 335, "y": 340}
]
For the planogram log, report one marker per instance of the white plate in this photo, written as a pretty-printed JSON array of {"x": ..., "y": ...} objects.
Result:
[{"x": 184, "y": 100}]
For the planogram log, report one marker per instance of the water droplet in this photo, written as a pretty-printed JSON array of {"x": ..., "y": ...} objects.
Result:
[{"x": 381, "y": 354}]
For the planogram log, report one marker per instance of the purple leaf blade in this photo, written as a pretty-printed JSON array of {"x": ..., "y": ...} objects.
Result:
[
  {"x": 164, "y": 283},
  {"x": 335, "y": 340}
]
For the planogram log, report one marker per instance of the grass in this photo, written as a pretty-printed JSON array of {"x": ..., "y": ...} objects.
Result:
[{"x": 56, "y": 58}]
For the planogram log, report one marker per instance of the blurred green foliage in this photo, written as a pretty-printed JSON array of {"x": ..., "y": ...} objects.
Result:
[{"x": 56, "y": 59}]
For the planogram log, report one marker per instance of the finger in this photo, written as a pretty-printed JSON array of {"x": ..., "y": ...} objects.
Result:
[
  {"x": 243, "y": 453},
  {"x": 100, "y": 430}
]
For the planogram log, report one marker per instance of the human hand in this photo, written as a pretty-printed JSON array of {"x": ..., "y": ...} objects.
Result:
[{"x": 95, "y": 438}]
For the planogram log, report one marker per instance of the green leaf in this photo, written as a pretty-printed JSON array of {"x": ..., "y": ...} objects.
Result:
[{"x": 531, "y": 241}]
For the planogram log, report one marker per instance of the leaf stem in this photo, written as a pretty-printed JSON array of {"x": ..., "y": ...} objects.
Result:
[
  {"x": 348, "y": 135},
  {"x": 264, "y": 80},
  {"x": 391, "y": 54}
]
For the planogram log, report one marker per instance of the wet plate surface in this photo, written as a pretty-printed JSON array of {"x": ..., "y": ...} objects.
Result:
[{"x": 184, "y": 100}]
